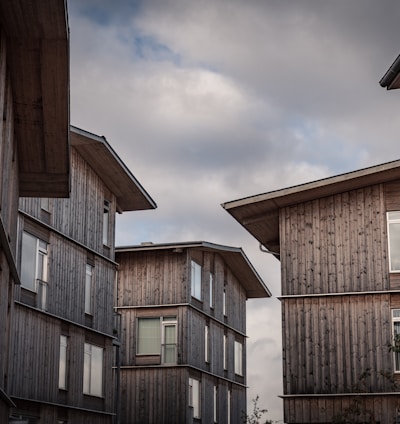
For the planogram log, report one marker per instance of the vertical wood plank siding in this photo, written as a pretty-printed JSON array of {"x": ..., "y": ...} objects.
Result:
[
  {"x": 335, "y": 244},
  {"x": 156, "y": 283},
  {"x": 81, "y": 218},
  {"x": 8, "y": 207},
  {"x": 338, "y": 344}
]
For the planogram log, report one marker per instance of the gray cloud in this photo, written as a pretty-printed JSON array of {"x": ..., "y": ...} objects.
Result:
[{"x": 216, "y": 100}]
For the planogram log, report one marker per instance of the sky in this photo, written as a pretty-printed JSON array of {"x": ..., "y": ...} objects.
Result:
[{"x": 209, "y": 101}]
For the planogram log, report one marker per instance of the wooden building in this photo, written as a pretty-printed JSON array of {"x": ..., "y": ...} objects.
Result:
[
  {"x": 338, "y": 241},
  {"x": 183, "y": 332},
  {"x": 34, "y": 136},
  {"x": 62, "y": 354}
]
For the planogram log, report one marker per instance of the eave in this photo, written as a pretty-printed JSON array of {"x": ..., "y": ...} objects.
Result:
[
  {"x": 391, "y": 79},
  {"x": 234, "y": 257},
  {"x": 96, "y": 151},
  {"x": 37, "y": 45},
  {"x": 259, "y": 214}
]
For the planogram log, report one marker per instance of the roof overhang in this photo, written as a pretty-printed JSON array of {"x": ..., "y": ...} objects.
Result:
[
  {"x": 391, "y": 79},
  {"x": 234, "y": 257},
  {"x": 38, "y": 62},
  {"x": 259, "y": 214},
  {"x": 96, "y": 151}
]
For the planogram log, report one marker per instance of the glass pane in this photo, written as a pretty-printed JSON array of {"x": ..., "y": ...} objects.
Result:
[
  {"x": 106, "y": 222},
  {"x": 396, "y": 313},
  {"x": 88, "y": 290},
  {"x": 96, "y": 381},
  {"x": 394, "y": 246},
  {"x": 169, "y": 344},
  {"x": 196, "y": 280},
  {"x": 28, "y": 261},
  {"x": 238, "y": 358},
  {"x": 149, "y": 337},
  {"x": 62, "y": 374},
  {"x": 394, "y": 215},
  {"x": 211, "y": 290},
  {"x": 196, "y": 398},
  {"x": 86, "y": 369}
]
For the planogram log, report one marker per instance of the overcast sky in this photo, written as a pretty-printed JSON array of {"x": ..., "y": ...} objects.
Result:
[{"x": 214, "y": 100}]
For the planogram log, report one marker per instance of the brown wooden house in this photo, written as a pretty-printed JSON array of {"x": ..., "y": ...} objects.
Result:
[
  {"x": 34, "y": 136},
  {"x": 338, "y": 241},
  {"x": 183, "y": 337},
  {"x": 62, "y": 355}
]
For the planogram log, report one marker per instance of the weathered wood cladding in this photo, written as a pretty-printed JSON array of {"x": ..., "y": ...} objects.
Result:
[
  {"x": 335, "y": 244},
  {"x": 344, "y": 409},
  {"x": 66, "y": 285},
  {"x": 162, "y": 277},
  {"x": 160, "y": 395},
  {"x": 156, "y": 283},
  {"x": 329, "y": 343},
  {"x": 81, "y": 216},
  {"x": 34, "y": 369},
  {"x": 9, "y": 181}
]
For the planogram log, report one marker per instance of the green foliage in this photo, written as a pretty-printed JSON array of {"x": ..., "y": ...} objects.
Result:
[{"x": 256, "y": 415}]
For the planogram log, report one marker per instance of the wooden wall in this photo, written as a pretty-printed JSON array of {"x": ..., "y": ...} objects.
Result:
[
  {"x": 336, "y": 305},
  {"x": 157, "y": 283},
  {"x": 335, "y": 244},
  {"x": 35, "y": 364},
  {"x": 81, "y": 216},
  {"x": 8, "y": 208}
]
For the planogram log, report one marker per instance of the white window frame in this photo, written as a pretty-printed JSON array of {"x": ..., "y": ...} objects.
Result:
[
  {"x": 195, "y": 278},
  {"x": 206, "y": 343},
  {"x": 159, "y": 339},
  {"x": 37, "y": 252},
  {"x": 93, "y": 370},
  {"x": 224, "y": 303},
  {"x": 396, "y": 356},
  {"x": 238, "y": 358},
  {"x": 168, "y": 350},
  {"x": 215, "y": 405},
  {"x": 89, "y": 280},
  {"x": 225, "y": 352},
  {"x": 228, "y": 406},
  {"x": 211, "y": 290},
  {"x": 63, "y": 363},
  {"x": 393, "y": 219},
  {"x": 195, "y": 396}
]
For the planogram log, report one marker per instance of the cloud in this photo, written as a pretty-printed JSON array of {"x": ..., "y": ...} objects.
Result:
[{"x": 217, "y": 100}]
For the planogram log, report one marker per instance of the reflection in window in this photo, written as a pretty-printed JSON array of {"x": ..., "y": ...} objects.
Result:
[{"x": 196, "y": 280}]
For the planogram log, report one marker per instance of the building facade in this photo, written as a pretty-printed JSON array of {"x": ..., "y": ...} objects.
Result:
[
  {"x": 34, "y": 137},
  {"x": 339, "y": 246},
  {"x": 183, "y": 332},
  {"x": 63, "y": 352}
]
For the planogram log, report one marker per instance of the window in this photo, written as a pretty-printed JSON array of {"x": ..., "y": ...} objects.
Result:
[
  {"x": 393, "y": 222},
  {"x": 106, "y": 223},
  {"x": 168, "y": 340},
  {"x": 396, "y": 333},
  {"x": 206, "y": 343},
  {"x": 34, "y": 267},
  {"x": 238, "y": 358},
  {"x": 228, "y": 407},
  {"x": 62, "y": 373},
  {"x": 215, "y": 406},
  {"x": 93, "y": 370},
  {"x": 89, "y": 290},
  {"x": 211, "y": 290},
  {"x": 157, "y": 336},
  {"x": 224, "y": 302},
  {"x": 194, "y": 396},
  {"x": 225, "y": 352},
  {"x": 196, "y": 280}
]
